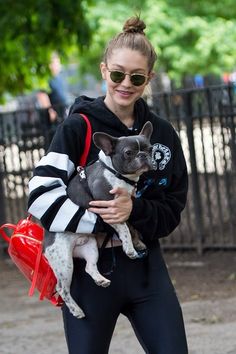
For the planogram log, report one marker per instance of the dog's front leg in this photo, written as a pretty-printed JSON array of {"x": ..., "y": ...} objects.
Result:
[
  {"x": 125, "y": 237},
  {"x": 59, "y": 256}
]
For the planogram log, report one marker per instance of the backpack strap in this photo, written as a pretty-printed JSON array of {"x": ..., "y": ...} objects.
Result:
[
  {"x": 36, "y": 271},
  {"x": 88, "y": 139}
]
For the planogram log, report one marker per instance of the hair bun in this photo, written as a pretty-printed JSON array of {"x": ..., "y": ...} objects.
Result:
[{"x": 134, "y": 25}]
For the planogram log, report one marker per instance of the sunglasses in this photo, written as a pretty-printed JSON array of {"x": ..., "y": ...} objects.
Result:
[{"x": 136, "y": 79}]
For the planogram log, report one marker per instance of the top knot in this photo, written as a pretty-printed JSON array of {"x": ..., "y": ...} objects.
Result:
[
  {"x": 132, "y": 37},
  {"x": 134, "y": 25}
]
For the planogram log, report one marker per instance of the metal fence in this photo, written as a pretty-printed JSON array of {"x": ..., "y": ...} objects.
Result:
[
  {"x": 24, "y": 134},
  {"x": 206, "y": 122}
]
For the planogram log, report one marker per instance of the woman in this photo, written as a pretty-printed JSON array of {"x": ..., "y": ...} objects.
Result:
[{"x": 140, "y": 289}]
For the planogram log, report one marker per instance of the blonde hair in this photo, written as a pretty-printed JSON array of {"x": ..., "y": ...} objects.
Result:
[{"x": 134, "y": 38}]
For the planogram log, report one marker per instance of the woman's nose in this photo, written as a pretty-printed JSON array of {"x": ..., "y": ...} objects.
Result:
[{"x": 126, "y": 82}]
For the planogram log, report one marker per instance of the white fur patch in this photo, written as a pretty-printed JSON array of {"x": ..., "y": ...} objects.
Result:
[
  {"x": 112, "y": 179},
  {"x": 116, "y": 182}
]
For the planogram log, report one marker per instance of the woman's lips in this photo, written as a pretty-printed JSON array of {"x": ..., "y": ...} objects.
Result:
[{"x": 124, "y": 93}]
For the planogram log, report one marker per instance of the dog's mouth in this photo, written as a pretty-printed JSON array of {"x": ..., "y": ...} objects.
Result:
[
  {"x": 141, "y": 167},
  {"x": 144, "y": 168},
  {"x": 146, "y": 164}
]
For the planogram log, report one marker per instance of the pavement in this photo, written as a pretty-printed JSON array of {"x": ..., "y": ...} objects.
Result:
[{"x": 29, "y": 326}]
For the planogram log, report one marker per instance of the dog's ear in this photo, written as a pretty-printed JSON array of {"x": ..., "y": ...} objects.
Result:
[
  {"x": 105, "y": 142},
  {"x": 147, "y": 130}
]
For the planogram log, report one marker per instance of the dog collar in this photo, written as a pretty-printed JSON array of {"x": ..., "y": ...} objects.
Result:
[{"x": 119, "y": 175}]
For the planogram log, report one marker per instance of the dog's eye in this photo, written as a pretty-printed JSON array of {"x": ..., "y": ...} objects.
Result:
[{"x": 128, "y": 153}]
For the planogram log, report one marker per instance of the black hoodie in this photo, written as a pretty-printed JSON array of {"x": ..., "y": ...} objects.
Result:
[{"x": 161, "y": 194}]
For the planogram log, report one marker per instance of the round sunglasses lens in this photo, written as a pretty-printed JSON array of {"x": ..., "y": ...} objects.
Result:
[
  {"x": 117, "y": 76},
  {"x": 138, "y": 80}
]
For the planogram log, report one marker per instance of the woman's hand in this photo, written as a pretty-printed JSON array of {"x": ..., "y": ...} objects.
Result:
[{"x": 113, "y": 211}]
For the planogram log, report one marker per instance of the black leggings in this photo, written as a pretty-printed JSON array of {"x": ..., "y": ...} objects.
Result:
[{"x": 140, "y": 289}]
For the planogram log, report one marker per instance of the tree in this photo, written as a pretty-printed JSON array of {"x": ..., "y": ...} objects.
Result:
[
  {"x": 197, "y": 37},
  {"x": 30, "y": 31},
  {"x": 189, "y": 37}
]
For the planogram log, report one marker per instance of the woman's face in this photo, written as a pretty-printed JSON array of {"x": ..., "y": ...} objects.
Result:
[{"x": 124, "y": 94}]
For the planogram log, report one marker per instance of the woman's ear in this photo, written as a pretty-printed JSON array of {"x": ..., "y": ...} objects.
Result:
[
  {"x": 103, "y": 70},
  {"x": 151, "y": 76}
]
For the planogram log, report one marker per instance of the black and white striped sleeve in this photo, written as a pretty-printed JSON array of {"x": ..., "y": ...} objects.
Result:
[{"x": 48, "y": 200}]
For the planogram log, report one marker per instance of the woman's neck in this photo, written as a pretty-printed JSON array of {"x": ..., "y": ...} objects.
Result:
[
  {"x": 126, "y": 115},
  {"x": 127, "y": 120}
]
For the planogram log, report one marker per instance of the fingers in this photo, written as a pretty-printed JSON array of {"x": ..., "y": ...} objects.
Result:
[
  {"x": 116, "y": 210},
  {"x": 119, "y": 191},
  {"x": 106, "y": 209},
  {"x": 101, "y": 203},
  {"x": 122, "y": 196},
  {"x": 110, "y": 215},
  {"x": 113, "y": 215},
  {"x": 112, "y": 218}
]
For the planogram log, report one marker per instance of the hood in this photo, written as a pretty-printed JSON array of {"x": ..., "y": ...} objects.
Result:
[{"x": 96, "y": 109}]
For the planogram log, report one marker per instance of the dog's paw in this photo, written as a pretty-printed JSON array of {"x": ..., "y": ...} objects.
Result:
[
  {"x": 140, "y": 246},
  {"x": 78, "y": 313},
  {"x": 99, "y": 279},
  {"x": 132, "y": 254},
  {"x": 75, "y": 310},
  {"x": 103, "y": 282}
]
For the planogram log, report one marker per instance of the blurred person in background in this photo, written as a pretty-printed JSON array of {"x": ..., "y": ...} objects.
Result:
[{"x": 59, "y": 91}]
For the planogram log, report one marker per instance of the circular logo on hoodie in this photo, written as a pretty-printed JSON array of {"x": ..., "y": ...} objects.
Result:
[{"x": 161, "y": 155}]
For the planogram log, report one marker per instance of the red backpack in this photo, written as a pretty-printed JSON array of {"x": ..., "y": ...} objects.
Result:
[{"x": 26, "y": 246}]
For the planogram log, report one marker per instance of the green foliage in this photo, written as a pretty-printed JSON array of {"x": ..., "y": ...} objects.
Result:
[
  {"x": 206, "y": 8},
  {"x": 192, "y": 37},
  {"x": 189, "y": 37},
  {"x": 30, "y": 31}
]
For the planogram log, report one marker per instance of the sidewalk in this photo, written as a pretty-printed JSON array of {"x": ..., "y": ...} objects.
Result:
[{"x": 28, "y": 326}]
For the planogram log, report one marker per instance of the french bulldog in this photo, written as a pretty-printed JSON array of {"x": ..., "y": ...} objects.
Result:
[{"x": 121, "y": 163}]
